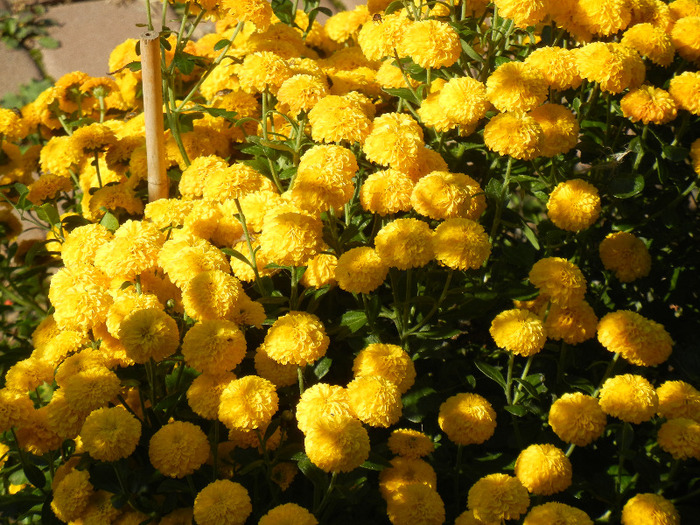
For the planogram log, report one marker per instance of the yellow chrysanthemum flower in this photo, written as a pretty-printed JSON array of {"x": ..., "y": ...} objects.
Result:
[
  {"x": 109, "y": 434},
  {"x": 649, "y": 104},
  {"x": 496, "y": 497},
  {"x": 378, "y": 40},
  {"x": 464, "y": 100},
  {"x": 388, "y": 361},
  {"x": 574, "y": 205},
  {"x": 360, "y": 270},
  {"x": 204, "y": 394},
  {"x": 148, "y": 334},
  {"x": 80, "y": 296},
  {"x": 558, "y": 279},
  {"x": 296, "y": 338},
  {"x": 320, "y": 271},
  {"x": 184, "y": 258},
  {"x": 605, "y": 17},
  {"x": 467, "y": 419},
  {"x": 559, "y": 126},
  {"x": 685, "y": 90},
  {"x": 523, "y": 14},
  {"x": 222, "y": 501},
  {"x": 651, "y": 42},
  {"x": 86, "y": 383},
  {"x": 213, "y": 346},
  {"x": 519, "y": 331},
  {"x": 266, "y": 367},
  {"x": 680, "y": 437},
  {"x": 82, "y": 243},
  {"x": 695, "y": 155},
  {"x": 614, "y": 66},
  {"x": 178, "y": 449},
  {"x": 337, "y": 443},
  {"x": 577, "y": 418},
  {"x": 406, "y": 471},
  {"x": 321, "y": 401},
  {"x": 28, "y": 374},
  {"x": 394, "y": 140},
  {"x": 409, "y": 443},
  {"x": 678, "y": 399},
  {"x": 637, "y": 339},
  {"x": 543, "y": 469},
  {"x": 629, "y": 397},
  {"x": 431, "y": 44},
  {"x": 684, "y": 36},
  {"x": 335, "y": 119},
  {"x": 71, "y": 495},
  {"x": 554, "y": 65},
  {"x": 516, "y": 134},
  {"x": 405, "y": 243},
  {"x": 555, "y": 512},
  {"x": 626, "y": 255},
  {"x": 262, "y": 71},
  {"x": 415, "y": 503},
  {"x": 516, "y": 86},
  {"x": 374, "y": 400},
  {"x": 290, "y": 238},
  {"x": 211, "y": 295},
  {"x": 445, "y": 195},
  {"x": 574, "y": 324},
  {"x": 288, "y": 514},
  {"x": 649, "y": 509},
  {"x": 386, "y": 192},
  {"x": 248, "y": 403},
  {"x": 345, "y": 24}
]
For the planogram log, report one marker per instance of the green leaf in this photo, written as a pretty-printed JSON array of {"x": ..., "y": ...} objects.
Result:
[
  {"x": 469, "y": 50},
  {"x": 397, "y": 5},
  {"x": 375, "y": 462},
  {"x": 48, "y": 42},
  {"x": 491, "y": 372},
  {"x": 674, "y": 153},
  {"x": 312, "y": 472},
  {"x": 184, "y": 64},
  {"x": 110, "y": 222},
  {"x": 530, "y": 236},
  {"x": 403, "y": 93},
  {"x": 322, "y": 367},
  {"x": 353, "y": 320},
  {"x": 34, "y": 475},
  {"x": 48, "y": 212},
  {"x": 493, "y": 190},
  {"x": 626, "y": 187},
  {"x": 221, "y": 44},
  {"x": 516, "y": 410}
]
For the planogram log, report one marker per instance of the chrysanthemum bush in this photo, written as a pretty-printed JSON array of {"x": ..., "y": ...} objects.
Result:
[{"x": 421, "y": 263}]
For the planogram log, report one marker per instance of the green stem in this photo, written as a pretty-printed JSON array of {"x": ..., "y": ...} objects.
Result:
[
  {"x": 326, "y": 496},
  {"x": 149, "y": 15},
  {"x": 128, "y": 408},
  {"x": 509, "y": 378},
  {"x": 241, "y": 218},
  {"x": 300, "y": 379},
  {"x": 606, "y": 374},
  {"x": 500, "y": 203},
  {"x": 523, "y": 375},
  {"x": 435, "y": 307},
  {"x": 407, "y": 300},
  {"x": 294, "y": 291}
]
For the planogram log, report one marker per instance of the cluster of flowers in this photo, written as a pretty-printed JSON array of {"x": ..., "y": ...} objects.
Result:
[{"x": 176, "y": 288}]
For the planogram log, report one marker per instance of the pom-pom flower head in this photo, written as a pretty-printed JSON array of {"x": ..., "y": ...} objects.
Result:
[
  {"x": 637, "y": 339},
  {"x": 444, "y": 195},
  {"x": 222, "y": 501},
  {"x": 496, "y": 497},
  {"x": 415, "y": 503},
  {"x": 574, "y": 205},
  {"x": 374, "y": 400},
  {"x": 360, "y": 270},
  {"x": 288, "y": 514},
  {"x": 405, "y": 243},
  {"x": 515, "y": 86},
  {"x": 461, "y": 244},
  {"x": 337, "y": 444},
  {"x": 543, "y": 469},
  {"x": 649, "y": 509},
  {"x": 464, "y": 100},
  {"x": 149, "y": 334},
  {"x": 337, "y": 119},
  {"x": 248, "y": 403},
  {"x": 431, "y": 44},
  {"x": 554, "y": 64},
  {"x": 386, "y": 192},
  {"x": 561, "y": 281},
  {"x": 559, "y": 127},
  {"x": 577, "y": 418},
  {"x": 680, "y": 437},
  {"x": 410, "y": 443},
  {"x": 626, "y": 255},
  {"x": 650, "y": 42},
  {"x": 678, "y": 399},
  {"x": 467, "y": 419},
  {"x": 296, "y": 338},
  {"x": 555, "y": 512},
  {"x": 109, "y": 434},
  {"x": 649, "y": 104},
  {"x": 614, "y": 66},
  {"x": 388, "y": 361},
  {"x": 573, "y": 325},
  {"x": 519, "y": 331},
  {"x": 685, "y": 90},
  {"x": 394, "y": 140},
  {"x": 515, "y": 134},
  {"x": 178, "y": 449},
  {"x": 214, "y": 346},
  {"x": 321, "y": 401},
  {"x": 629, "y": 397}
]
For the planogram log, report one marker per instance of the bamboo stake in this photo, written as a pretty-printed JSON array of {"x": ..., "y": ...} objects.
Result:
[{"x": 153, "y": 113}]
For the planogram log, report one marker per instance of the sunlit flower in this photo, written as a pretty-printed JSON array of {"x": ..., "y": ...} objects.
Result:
[
  {"x": 678, "y": 399},
  {"x": 649, "y": 104},
  {"x": 374, "y": 400},
  {"x": 461, "y": 244},
  {"x": 629, "y": 397},
  {"x": 288, "y": 514},
  {"x": 109, "y": 434},
  {"x": 248, "y": 403},
  {"x": 543, "y": 469},
  {"x": 614, "y": 66},
  {"x": 321, "y": 401},
  {"x": 222, "y": 501},
  {"x": 497, "y": 497},
  {"x": 574, "y": 324},
  {"x": 559, "y": 279},
  {"x": 685, "y": 90},
  {"x": 651, "y": 42},
  {"x": 296, "y": 338},
  {"x": 555, "y": 512},
  {"x": 431, "y": 44},
  {"x": 637, "y": 339},
  {"x": 519, "y": 331},
  {"x": 467, "y": 419},
  {"x": 178, "y": 449},
  {"x": 148, "y": 334},
  {"x": 409, "y": 443},
  {"x": 445, "y": 195},
  {"x": 559, "y": 126},
  {"x": 649, "y": 509},
  {"x": 516, "y": 86},
  {"x": 554, "y": 64},
  {"x": 405, "y": 243},
  {"x": 577, "y": 418},
  {"x": 406, "y": 471},
  {"x": 360, "y": 270},
  {"x": 518, "y": 135},
  {"x": 337, "y": 443},
  {"x": 680, "y": 437},
  {"x": 388, "y": 361},
  {"x": 684, "y": 36},
  {"x": 523, "y": 14},
  {"x": 415, "y": 503},
  {"x": 574, "y": 205}
]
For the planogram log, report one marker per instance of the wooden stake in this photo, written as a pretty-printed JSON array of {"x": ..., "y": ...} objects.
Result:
[{"x": 153, "y": 113}]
